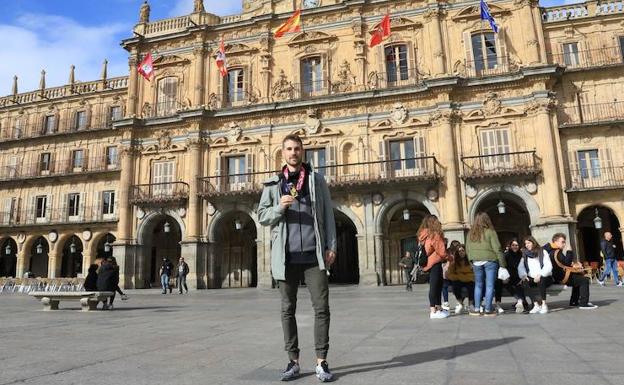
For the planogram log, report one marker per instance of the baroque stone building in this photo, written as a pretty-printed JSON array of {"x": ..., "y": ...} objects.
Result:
[{"x": 445, "y": 117}]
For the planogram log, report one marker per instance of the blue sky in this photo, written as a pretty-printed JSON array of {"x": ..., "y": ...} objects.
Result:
[{"x": 54, "y": 34}]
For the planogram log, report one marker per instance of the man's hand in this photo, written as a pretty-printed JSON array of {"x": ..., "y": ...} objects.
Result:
[
  {"x": 330, "y": 258},
  {"x": 537, "y": 278},
  {"x": 286, "y": 201}
]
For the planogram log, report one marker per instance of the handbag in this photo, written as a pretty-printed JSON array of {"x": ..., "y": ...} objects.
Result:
[
  {"x": 503, "y": 274},
  {"x": 421, "y": 256}
]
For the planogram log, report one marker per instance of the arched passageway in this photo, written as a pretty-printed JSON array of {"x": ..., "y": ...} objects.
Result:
[
  {"x": 346, "y": 269},
  {"x": 236, "y": 251}
]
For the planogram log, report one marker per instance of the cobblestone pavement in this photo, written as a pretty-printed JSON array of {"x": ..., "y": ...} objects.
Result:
[{"x": 378, "y": 336}]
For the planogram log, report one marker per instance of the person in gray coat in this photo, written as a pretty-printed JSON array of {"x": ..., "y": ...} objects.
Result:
[{"x": 298, "y": 207}]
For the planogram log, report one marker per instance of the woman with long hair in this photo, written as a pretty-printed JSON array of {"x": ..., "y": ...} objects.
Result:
[
  {"x": 484, "y": 251},
  {"x": 431, "y": 238},
  {"x": 513, "y": 255},
  {"x": 462, "y": 278},
  {"x": 535, "y": 270}
]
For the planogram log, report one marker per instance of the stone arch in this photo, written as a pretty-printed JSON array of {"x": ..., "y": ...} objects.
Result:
[
  {"x": 390, "y": 205},
  {"x": 146, "y": 226},
  {"x": 346, "y": 210},
  {"x": 211, "y": 231},
  {"x": 511, "y": 191}
]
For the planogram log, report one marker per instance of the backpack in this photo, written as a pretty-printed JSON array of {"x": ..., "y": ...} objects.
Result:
[{"x": 421, "y": 255}]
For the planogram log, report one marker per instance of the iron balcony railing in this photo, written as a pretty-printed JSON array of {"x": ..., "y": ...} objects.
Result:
[
  {"x": 597, "y": 57},
  {"x": 58, "y": 168},
  {"x": 488, "y": 66},
  {"x": 591, "y": 113},
  {"x": 402, "y": 77},
  {"x": 424, "y": 169},
  {"x": 596, "y": 178},
  {"x": 159, "y": 192},
  {"x": 500, "y": 165},
  {"x": 161, "y": 109},
  {"x": 29, "y": 216}
]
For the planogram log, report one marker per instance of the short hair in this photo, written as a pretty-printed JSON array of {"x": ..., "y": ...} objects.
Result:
[
  {"x": 294, "y": 138},
  {"x": 559, "y": 235}
]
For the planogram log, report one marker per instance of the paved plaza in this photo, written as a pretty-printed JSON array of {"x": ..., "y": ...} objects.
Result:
[{"x": 378, "y": 336}]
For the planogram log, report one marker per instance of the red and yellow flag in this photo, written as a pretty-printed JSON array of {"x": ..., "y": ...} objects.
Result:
[
  {"x": 382, "y": 31},
  {"x": 293, "y": 24}
]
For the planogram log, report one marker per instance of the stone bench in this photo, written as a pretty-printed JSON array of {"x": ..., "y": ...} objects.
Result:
[{"x": 88, "y": 299}]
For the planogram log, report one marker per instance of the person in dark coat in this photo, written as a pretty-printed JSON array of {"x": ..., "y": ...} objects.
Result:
[
  {"x": 91, "y": 280},
  {"x": 108, "y": 280}
]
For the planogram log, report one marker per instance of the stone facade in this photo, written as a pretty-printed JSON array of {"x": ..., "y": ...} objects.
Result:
[{"x": 445, "y": 118}]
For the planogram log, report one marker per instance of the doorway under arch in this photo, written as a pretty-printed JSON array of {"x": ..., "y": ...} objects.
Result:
[
  {"x": 71, "y": 261},
  {"x": 509, "y": 216},
  {"x": 8, "y": 258},
  {"x": 346, "y": 269},
  {"x": 160, "y": 239},
  {"x": 236, "y": 263},
  {"x": 38, "y": 261},
  {"x": 589, "y": 236}
]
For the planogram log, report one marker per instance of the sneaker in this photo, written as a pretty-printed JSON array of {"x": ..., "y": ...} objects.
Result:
[
  {"x": 110, "y": 307},
  {"x": 589, "y": 306},
  {"x": 619, "y": 284},
  {"x": 473, "y": 312},
  {"x": 536, "y": 309},
  {"x": 124, "y": 297},
  {"x": 543, "y": 308},
  {"x": 459, "y": 308},
  {"x": 105, "y": 307},
  {"x": 292, "y": 371},
  {"x": 573, "y": 304},
  {"x": 438, "y": 315},
  {"x": 323, "y": 373},
  {"x": 499, "y": 309},
  {"x": 601, "y": 283},
  {"x": 481, "y": 309},
  {"x": 519, "y": 307},
  {"x": 446, "y": 306},
  {"x": 490, "y": 313}
]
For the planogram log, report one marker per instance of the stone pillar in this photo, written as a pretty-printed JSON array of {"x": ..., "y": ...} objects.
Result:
[
  {"x": 379, "y": 259},
  {"x": 191, "y": 252},
  {"x": 368, "y": 276},
  {"x": 265, "y": 280},
  {"x": 551, "y": 187},
  {"x": 86, "y": 262},
  {"x": 54, "y": 271},
  {"x": 133, "y": 62},
  {"x": 450, "y": 196},
  {"x": 125, "y": 184},
  {"x": 432, "y": 17},
  {"x": 530, "y": 30},
  {"x": 125, "y": 255},
  {"x": 210, "y": 266},
  {"x": 198, "y": 91},
  {"x": 21, "y": 262},
  {"x": 194, "y": 170}
]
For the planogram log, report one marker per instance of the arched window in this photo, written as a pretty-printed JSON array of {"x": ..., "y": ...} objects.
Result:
[{"x": 167, "y": 99}]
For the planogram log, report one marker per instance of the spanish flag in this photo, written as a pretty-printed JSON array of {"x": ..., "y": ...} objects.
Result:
[{"x": 293, "y": 24}]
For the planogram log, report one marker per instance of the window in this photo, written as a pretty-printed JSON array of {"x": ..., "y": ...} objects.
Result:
[
  {"x": 162, "y": 177},
  {"x": 167, "y": 96},
  {"x": 311, "y": 76},
  {"x": 18, "y": 129},
  {"x": 81, "y": 120},
  {"x": 44, "y": 162},
  {"x": 316, "y": 156},
  {"x": 50, "y": 124},
  {"x": 77, "y": 159},
  {"x": 73, "y": 204},
  {"x": 589, "y": 164},
  {"x": 235, "y": 86},
  {"x": 41, "y": 203},
  {"x": 396, "y": 63},
  {"x": 484, "y": 51},
  {"x": 115, "y": 113},
  {"x": 12, "y": 166},
  {"x": 571, "y": 54},
  {"x": 236, "y": 166},
  {"x": 621, "y": 40},
  {"x": 495, "y": 142},
  {"x": 108, "y": 202},
  {"x": 111, "y": 156},
  {"x": 402, "y": 152}
]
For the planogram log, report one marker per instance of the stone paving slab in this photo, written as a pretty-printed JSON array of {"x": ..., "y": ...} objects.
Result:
[{"x": 378, "y": 336}]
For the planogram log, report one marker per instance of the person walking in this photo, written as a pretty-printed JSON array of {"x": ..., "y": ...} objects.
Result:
[
  {"x": 608, "y": 248},
  {"x": 462, "y": 279},
  {"x": 407, "y": 264},
  {"x": 117, "y": 288},
  {"x": 534, "y": 271},
  {"x": 484, "y": 251},
  {"x": 183, "y": 271},
  {"x": 431, "y": 237},
  {"x": 165, "y": 274},
  {"x": 297, "y": 205}
]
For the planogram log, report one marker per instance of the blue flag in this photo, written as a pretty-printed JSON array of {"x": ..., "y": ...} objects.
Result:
[{"x": 486, "y": 15}]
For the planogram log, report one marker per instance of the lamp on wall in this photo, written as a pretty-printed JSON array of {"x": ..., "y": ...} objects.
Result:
[
  {"x": 39, "y": 249},
  {"x": 502, "y": 209},
  {"x": 167, "y": 227},
  {"x": 107, "y": 245},
  {"x": 597, "y": 221},
  {"x": 237, "y": 224},
  {"x": 72, "y": 247},
  {"x": 7, "y": 250},
  {"x": 406, "y": 213}
]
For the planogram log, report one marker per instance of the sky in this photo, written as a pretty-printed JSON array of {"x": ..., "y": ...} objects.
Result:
[{"x": 54, "y": 34}]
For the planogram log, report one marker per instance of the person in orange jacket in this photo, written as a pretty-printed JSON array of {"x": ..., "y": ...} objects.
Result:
[{"x": 431, "y": 238}]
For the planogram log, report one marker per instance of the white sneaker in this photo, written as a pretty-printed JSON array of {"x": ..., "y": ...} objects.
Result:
[
  {"x": 459, "y": 308},
  {"x": 519, "y": 307},
  {"x": 481, "y": 309},
  {"x": 601, "y": 283},
  {"x": 499, "y": 309},
  {"x": 438, "y": 315},
  {"x": 446, "y": 306},
  {"x": 619, "y": 284},
  {"x": 536, "y": 309},
  {"x": 544, "y": 308}
]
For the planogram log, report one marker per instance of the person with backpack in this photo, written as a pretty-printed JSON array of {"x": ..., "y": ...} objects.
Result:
[
  {"x": 484, "y": 251},
  {"x": 534, "y": 271},
  {"x": 432, "y": 239},
  {"x": 407, "y": 264},
  {"x": 462, "y": 278}
]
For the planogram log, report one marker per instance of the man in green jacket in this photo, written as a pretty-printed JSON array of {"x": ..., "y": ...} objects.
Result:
[{"x": 298, "y": 207}]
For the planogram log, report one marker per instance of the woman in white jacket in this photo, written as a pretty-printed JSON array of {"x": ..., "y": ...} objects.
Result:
[{"x": 535, "y": 270}]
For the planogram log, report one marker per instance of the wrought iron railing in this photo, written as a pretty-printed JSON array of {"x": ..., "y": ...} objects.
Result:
[
  {"x": 159, "y": 192},
  {"x": 161, "y": 109},
  {"x": 500, "y": 165},
  {"x": 488, "y": 66},
  {"x": 29, "y": 216},
  {"x": 341, "y": 175},
  {"x": 399, "y": 78},
  {"x": 591, "y": 113},
  {"x": 596, "y": 178},
  {"x": 596, "y": 57},
  {"x": 58, "y": 168}
]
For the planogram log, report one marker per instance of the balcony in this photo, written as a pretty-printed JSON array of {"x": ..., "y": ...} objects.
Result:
[
  {"x": 58, "y": 168},
  {"x": 582, "y": 10},
  {"x": 598, "y": 57},
  {"x": 489, "y": 66},
  {"x": 403, "y": 78},
  {"x": 161, "y": 109},
  {"x": 598, "y": 178},
  {"x": 522, "y": 163},
  {"x": 28, "y": 217},
  {"x": 591, "y": 113},
  {"x": 352, "y": 175},
  {"x": 159, "y": 193}
]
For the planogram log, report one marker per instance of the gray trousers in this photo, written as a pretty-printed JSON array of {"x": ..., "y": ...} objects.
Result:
[
  {"x": 182, "y": 283},
  {"x": 317, "y": 283}
]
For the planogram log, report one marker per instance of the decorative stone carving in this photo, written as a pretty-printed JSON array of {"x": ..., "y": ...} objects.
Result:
[
  {"x": 438, "y": 116},
  {"x": 144, "y": 13},
  {"x": 532, "y": 42},
  {"x": 86, "y": 235},
  {"x": 164, "y": 140},
  {"x": 21, "y": 238},
  {"x": 491, "y": 104},
  {"x": 459, "y": 68},
  {"x": 53, "y": 236},
  {"x": 146, "y": 110},
  {"x": 531, "y": 187},
  {"x": 198, "y": 6},
  {"x": 140, "y": 214},
  {"x": 542, "y": 105},
  {"x": 471, "y": 191},
  {"x": 378, "y": 198},
  {"x": 213, "y": 101},
  {"x": 432, "y": 194},
  {"x": 312, "y": 122},
  {"x": 345, "y": 79},
  {"x": 398, "y": 114},
  {"x": 283, "y": 89},
  {"x": 182, "y": 212},
  {"x": 235, "y": 133}
]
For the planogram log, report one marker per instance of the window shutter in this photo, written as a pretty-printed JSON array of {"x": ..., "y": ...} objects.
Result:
[
  {"x": 219, "y": 172},
  {"x": 248, "y": 90},
  {"x": 17, "y": 207},
  {"x": 52, "y": 159},
  {"x": 383, "y": 165},
  {"x": 85, "y": 159},
  {"x": 65, "y": 207},
  {"x": 412, "y": 73},
  {"x": 324, "y": 86},
  {"x": 49, "y": 207},
  {"x": 31, "y": 209},
  {"x": 250, "y": 163},
  {"x": 420, "y": 152},
  {"x": 82, "y": 206},
  {"x": 96, "y": 211},
  {"x": 7, "y": 211},
  {"x": 88, "y": 123},
  {"x": 575, "y": 172},
  {"x": 331, "y": 170},
  {"x": 501, "y": 49},
  {"x": 469, "y": 59},
  {"x": 606, "y": 161}
]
